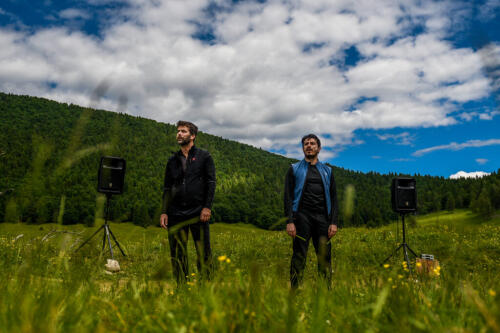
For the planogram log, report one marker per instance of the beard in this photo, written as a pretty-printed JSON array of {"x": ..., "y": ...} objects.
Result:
[
  {"x": 183, "y": 141},
  {"x": 310, "y": 154}
]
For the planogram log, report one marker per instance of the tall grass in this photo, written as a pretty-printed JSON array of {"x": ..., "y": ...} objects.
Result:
[{"x": 46, "y": 287}]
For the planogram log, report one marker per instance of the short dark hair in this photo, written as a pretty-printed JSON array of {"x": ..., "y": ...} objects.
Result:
[
  {"x": 193, "y": 129},
  {"x": 311, "y": 136}
]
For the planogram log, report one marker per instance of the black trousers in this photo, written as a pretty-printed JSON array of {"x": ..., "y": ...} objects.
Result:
[
  {"x": 178, "y": 240},
  {"x": 310, "y": 225}
]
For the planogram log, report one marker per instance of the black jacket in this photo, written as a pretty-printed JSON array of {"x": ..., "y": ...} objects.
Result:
[{"x": 185, "y": 194}]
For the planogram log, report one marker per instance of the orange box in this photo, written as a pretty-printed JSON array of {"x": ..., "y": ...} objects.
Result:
[{"x": 427, "y": 266}]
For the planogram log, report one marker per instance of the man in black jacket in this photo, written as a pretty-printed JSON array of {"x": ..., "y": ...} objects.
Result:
[
  {"x": 189, "y": 189},
  {"x": 312, "y": 209}
]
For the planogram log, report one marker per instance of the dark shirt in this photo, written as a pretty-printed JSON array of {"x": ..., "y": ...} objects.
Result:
[
  {"x": 311, "y": 187},
  {"x": 313, "y": 195},
  {"x": 183, "y": 162}
]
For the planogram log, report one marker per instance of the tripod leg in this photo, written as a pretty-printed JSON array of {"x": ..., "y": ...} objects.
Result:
[
  {"x": 406, "y": 258},
  {"x": 109, "y": 241},
  {"x": 103, "y": 241},
  {"x": 88, "y": 239},
  {"x": 116, "y": 241},
  {"x": 409, "y": 248},
  {"x": 393, "y": 253}
]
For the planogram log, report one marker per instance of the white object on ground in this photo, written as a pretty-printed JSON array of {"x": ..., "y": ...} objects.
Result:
[{"x": 112, "y": 265}]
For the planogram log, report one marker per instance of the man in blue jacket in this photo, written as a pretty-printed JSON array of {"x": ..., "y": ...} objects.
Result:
[{"x": 312, "y": 209}]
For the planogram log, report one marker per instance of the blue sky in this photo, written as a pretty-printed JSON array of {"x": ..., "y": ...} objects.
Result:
[{"x": 390, "y": 86}]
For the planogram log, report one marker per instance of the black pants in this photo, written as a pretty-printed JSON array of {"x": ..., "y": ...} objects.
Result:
[
  {"x": 315, "y": 226},
  {"x": 178, "y": 240}
]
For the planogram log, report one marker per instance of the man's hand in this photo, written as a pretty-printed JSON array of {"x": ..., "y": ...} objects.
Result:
[
  {"x": 332, "y": 230},
  {"x": 290, "y": 229},
  {"x": 164, "y": 221},
  {"x": 205, "y": 215}
]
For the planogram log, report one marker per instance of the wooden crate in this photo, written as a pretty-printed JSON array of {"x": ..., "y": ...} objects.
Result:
[{"x": 428, "y": 266}]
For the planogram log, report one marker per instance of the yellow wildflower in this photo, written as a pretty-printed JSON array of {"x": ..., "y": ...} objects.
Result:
[
  {"x": 492, "y": 293},
  {"x": 386, "y": 265},
  {"x": 222, "y": 258},
  {"x": 389, "y": 279},
  {"x": 418, "y": 264},
  {"x": 228, "y": 260}
]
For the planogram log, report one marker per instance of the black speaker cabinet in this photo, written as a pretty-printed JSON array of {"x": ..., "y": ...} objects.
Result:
[
  {"x": 111, "y": 175},
  {"x": 404, "y": 195}
]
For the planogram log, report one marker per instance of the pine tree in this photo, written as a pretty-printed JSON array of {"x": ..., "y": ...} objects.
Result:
[
  {"x": 483, "y": 206},
  {"x": 450, "y": 202}
]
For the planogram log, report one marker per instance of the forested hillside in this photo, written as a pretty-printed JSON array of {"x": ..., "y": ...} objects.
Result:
[{"x": 50, "y": 153}]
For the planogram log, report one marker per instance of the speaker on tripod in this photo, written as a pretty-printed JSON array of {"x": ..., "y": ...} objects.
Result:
[
  {"x": 111, "y": 176},
  {"x": 404, "y": 195},
  {"x": 404, "y": 201},
  {"x": 110, "y": 180}
]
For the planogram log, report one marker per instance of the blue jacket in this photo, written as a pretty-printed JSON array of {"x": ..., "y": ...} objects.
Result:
[{"x": 300, "y": 173}]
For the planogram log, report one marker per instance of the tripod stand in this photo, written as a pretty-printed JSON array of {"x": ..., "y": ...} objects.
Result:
[
  {"x": 403, "y": 246},
  {"x": 107, "y": 232}
]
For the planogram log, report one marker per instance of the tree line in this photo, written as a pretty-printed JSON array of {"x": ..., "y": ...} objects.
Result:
[{"x": 50, "y": 153}]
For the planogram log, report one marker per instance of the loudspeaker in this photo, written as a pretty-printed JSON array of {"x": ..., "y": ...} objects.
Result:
[
  {"x": 111, "y": 175},
  {"x": 404, "y": 195}
]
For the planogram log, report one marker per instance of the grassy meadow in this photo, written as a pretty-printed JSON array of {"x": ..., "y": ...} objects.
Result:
[{"x": 46, "y": 287}]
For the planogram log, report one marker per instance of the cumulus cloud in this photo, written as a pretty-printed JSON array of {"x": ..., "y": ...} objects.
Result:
[
  {"x": 490, "y": 55},
  {"x": 272, "y": 72},
  {"x": 458, "y": 146},
  {"x": 463, "y": 174}
]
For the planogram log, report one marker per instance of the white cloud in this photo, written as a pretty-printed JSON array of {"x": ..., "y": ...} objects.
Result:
[
  {"x": 468, "y": 116},
  {"x": 73, "y": 13},
  {"x": 488, "y": 115},
  {"x": 458, "y": 146},
  {"x": 404, "y": 138},
  {"x": 255, "y": 84},
  {"x": 489, "y": 9},
  {"x": 463, "y": 174},
  {"x": 481, "y": 160}
]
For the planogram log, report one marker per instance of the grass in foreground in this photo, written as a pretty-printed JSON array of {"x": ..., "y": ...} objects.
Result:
[{"x": 46, "y": 287}]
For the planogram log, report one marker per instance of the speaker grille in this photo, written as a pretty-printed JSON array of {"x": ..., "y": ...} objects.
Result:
[
  {"x": 111, "y": 175},
  {"x": 404, "y": 195}
]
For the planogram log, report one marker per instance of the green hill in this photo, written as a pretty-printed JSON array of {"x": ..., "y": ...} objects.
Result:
[{"x": 50, "y": 152}]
